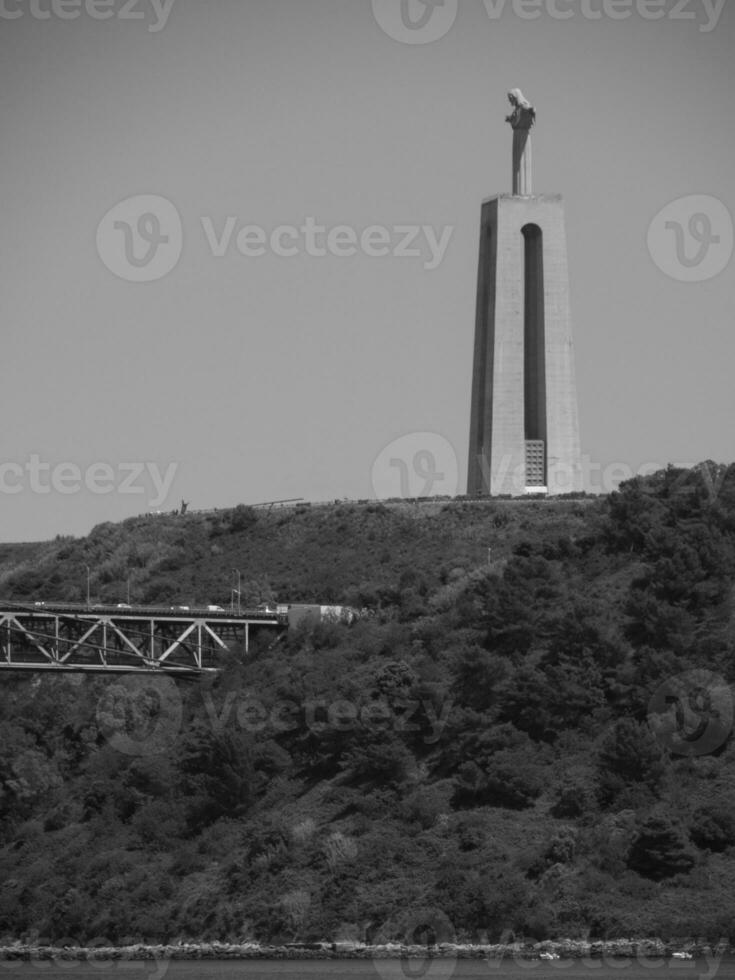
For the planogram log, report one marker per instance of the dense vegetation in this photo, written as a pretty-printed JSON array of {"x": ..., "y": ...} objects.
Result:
[{"x": 524, "y": 732}]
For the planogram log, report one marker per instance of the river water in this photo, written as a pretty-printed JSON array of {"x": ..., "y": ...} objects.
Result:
[{"x": 378, "y": 969}]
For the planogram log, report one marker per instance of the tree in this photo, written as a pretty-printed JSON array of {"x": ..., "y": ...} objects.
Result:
[
  {"x": 713, "y": 827},
  {"x": 477, "y": 676},
  {"x": 218, "y": 773},
  {"x": 660, "y": 850},
  {"x": 377, "y": 756},
  {"x": 545, "y": 701},
  {"x": 502, "y": 768},
  {"x": 629, "y": 754}
]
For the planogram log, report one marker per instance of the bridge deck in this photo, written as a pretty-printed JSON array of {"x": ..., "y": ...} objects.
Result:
[{"x": 55, "y": 636}]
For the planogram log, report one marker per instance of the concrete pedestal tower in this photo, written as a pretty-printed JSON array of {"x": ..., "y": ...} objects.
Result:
[{"x": 524, "y": 431}]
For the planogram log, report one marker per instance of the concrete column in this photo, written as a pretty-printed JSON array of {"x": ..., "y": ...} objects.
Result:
[
  {"x": 519, "y": 394},
  {"x": 522, "y": 163}
]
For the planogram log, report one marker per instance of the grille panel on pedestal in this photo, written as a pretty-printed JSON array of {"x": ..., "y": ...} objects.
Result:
[{"x": 535, "y": 463}]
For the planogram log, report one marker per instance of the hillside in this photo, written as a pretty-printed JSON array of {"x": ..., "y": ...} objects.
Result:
[
  {"x": 304, "y": 554},
  {"x": 527, "y": 731}
]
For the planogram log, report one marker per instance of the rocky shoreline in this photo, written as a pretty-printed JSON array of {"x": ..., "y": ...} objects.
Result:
[{"x": 549, "y": 950}]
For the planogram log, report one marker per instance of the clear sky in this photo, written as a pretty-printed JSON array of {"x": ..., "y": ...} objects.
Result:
[{"x": 268, "y": 376}]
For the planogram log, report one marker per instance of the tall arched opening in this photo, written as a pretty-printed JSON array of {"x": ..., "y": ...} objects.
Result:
[{"x": 534, "y": 357}]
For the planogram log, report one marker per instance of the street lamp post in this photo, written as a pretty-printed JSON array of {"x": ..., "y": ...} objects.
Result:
[
  {"x": 239, "y": 593},
  {"x": 88, "y": 576}
]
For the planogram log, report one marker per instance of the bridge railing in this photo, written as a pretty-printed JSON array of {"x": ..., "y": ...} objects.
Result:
[{"x": 131, "y": 611}]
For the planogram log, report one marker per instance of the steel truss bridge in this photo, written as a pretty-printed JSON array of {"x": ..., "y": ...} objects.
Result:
[{"x": 134, "y": 639}]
